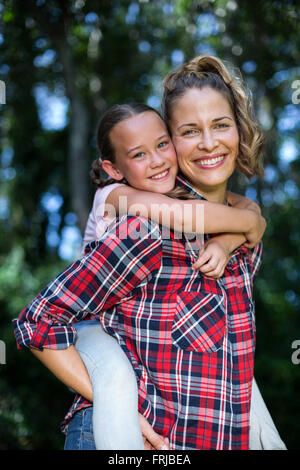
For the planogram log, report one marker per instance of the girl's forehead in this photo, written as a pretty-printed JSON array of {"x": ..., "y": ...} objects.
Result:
[
  {"x": 140, "y": 129},
  {"x": 140, "y": 121}
]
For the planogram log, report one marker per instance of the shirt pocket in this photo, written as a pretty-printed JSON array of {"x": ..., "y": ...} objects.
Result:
[{"x": 199, "y": 323}]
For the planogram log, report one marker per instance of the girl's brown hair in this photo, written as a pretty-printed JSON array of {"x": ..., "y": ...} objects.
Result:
[
  {"x": 109, "y": 120},
  {"x": 208, "y": 71}
]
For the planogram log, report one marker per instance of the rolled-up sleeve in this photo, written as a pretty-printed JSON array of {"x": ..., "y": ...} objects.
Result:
[
  {"x": 113, "y": 267},
  {"x": 46, "y": 332}
]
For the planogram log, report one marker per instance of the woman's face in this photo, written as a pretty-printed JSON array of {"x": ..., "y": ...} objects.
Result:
[
  {"x": 206, "y": 139},
  {"x": 145, "y": 155}
]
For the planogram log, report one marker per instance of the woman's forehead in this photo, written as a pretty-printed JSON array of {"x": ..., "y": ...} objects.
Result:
[{"x": 204, "y": 103}]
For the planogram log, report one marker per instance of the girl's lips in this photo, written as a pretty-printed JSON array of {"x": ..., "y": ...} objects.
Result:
[
  {"x": 164, "y": 175},
  {"x": 214, "y": 161}
]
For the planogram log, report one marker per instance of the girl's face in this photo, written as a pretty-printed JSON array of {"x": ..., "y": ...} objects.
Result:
[
  {"x": 206, "y": 139},
  {"x": 144, "y": 153}
]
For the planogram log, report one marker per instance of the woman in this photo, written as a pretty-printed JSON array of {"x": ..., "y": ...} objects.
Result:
[
  {"x": 218, "y": 421},
  {"x": 261, "y": 436}
]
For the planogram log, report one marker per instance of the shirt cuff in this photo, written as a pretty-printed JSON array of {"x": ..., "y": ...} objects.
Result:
[{"x": 43, "y": 335}]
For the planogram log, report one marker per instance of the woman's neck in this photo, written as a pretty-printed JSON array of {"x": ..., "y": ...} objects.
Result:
[{"x": 212, "y": 194}]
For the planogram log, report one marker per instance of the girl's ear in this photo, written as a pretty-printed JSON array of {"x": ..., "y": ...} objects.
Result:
[{"x": 111, "y": 169}]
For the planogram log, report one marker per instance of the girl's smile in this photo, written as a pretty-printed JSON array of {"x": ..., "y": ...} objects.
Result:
[{"x": 162, "y": 176}]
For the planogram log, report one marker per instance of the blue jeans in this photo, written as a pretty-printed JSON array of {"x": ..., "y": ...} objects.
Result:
[
  {"x": 115, "y": 423},
  {"x": 80, "y": 431}
]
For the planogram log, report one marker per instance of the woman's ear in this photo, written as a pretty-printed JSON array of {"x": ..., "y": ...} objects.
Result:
[{"x": 111, "y": 169}]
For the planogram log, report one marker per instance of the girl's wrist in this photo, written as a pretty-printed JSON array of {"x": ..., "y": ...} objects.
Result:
[
  {"x": 229, "y": 241},
  {"x": 251, "y": 220}
]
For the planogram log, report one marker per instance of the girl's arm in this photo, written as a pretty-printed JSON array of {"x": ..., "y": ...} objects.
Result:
[
  {"x": 190, "y": 216},
  {"x": 215, "y": 254}
]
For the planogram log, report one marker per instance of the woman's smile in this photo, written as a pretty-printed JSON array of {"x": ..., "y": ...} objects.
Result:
[{"x": 210, "y": 161}]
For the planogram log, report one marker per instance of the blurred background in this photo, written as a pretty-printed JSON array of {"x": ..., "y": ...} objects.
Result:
[{"x": 63, "y": 63}]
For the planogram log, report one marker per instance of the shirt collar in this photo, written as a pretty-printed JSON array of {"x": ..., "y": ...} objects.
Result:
[{"x": 182, "y": 181}]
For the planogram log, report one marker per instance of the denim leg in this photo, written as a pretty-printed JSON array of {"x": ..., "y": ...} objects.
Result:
[
  {"x": 80, "y": 431},
  {"x": 263, "y": 432},
  {"x": 115, "y": 396}
]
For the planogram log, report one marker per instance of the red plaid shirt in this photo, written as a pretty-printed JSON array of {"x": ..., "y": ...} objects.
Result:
[{"x": 190, "y": 338}]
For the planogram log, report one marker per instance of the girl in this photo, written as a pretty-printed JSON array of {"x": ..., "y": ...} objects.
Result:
[{"x": 146, "y": 161}]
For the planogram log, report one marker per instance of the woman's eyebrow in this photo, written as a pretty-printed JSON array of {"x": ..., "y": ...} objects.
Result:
[
  {"x": 191, "y": 124},
  {"x": 223, "y": 117}
]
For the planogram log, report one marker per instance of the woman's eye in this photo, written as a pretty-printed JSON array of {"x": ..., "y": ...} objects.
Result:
[
  {"x": 222, "y": 125},
  {"x": 190, "y": 132}
]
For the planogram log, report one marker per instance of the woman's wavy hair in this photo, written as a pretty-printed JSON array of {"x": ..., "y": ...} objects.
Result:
[
  {"x": 209, "y": 71},
  {"x": 108, "y": 121}
]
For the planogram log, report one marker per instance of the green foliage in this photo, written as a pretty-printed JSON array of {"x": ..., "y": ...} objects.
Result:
[{"x": 107, "y": 52}]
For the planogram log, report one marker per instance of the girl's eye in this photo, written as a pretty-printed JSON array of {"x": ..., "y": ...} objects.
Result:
[
  {"x": 138, "y": 155},
  {"x": 163, "y": 144}
]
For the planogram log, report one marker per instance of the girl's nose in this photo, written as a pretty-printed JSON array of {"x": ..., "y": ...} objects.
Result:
[{"x": 156, "y": 160}]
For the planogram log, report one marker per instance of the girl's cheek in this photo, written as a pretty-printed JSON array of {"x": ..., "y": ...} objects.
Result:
[
  {"x": 175, "y": 144},
  {"x": 174, "y": 157}
]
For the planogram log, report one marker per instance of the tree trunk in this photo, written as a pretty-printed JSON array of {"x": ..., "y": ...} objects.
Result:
[
  {"x": 78, "y": 161},
  {"x": 78, "y": 153},
  {"x": 78, "y": 135}
]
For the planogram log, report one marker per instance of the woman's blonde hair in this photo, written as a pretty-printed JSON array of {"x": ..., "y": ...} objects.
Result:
[{"x": 209, "y": 71}]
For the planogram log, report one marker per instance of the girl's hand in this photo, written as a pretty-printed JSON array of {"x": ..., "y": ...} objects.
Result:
[
  {"x": 212, "y": 259},
  {"x": 152, "y": 440}
]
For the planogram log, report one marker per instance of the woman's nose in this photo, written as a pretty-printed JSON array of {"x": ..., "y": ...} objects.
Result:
[{"x": 208, "y": 140}]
